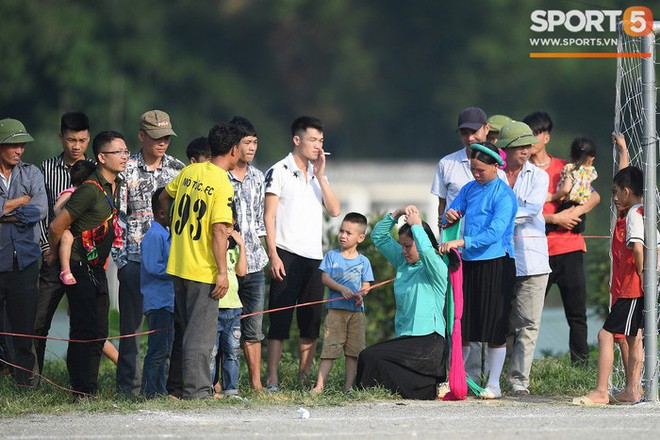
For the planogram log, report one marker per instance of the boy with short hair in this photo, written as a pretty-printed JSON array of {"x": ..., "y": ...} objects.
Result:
[
  {"x": 249, "y": 197},
  {"x": 157, "y": 288},
  {"x": 626, "y": 314},
  {"x": 198, "y": 150},
  {"x": 198, "y": 256},
  {"x": 345, "y": 272}
]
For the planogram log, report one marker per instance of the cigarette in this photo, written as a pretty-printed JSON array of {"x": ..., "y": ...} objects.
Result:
[{"x": 327, "y": 154}]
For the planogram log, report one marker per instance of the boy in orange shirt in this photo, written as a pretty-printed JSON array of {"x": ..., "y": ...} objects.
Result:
[{"x": 626, "y": 314}]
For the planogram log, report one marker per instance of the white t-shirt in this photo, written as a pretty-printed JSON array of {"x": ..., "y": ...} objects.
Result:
[
  {"x": 299, "y": 220},
  {"x": 634, "y": 226}
]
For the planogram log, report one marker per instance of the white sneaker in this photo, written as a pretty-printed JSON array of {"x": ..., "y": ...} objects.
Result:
[{"x": 490, "y": 393}]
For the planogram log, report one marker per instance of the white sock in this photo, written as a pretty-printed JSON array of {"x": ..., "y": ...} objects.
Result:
[
  {"x": 466, "y": 353},
  {"x": 496, "y": 357}
]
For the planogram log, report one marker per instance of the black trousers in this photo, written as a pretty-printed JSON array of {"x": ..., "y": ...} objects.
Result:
[
  {"x": 568, "y": 274},
  {"x": 51, "y": 292},
  {"x": 88, "y": 303},
  {"x": 18, "y": 295},
  {"x": 301, "y": 284},
  {"x": 411, "y": 366}
]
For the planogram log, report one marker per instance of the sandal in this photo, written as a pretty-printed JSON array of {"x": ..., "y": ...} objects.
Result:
[
  {"x": 273, "y": 388},
  {"x": 67, "y": 277}
]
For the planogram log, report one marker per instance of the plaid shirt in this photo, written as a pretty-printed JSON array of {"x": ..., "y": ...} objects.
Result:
[
  {"x": 249, "y": 198},
  {"x": 135, "y": 203}
]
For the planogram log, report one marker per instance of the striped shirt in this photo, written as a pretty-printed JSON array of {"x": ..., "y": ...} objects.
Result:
[
  {"x": 249, "y": 198},
  {"x": 57, "y": 178}
]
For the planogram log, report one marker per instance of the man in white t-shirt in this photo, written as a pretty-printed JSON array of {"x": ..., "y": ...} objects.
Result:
[
  {"x": 453, "y": 170},
  {"x": 296, "y": 193}
]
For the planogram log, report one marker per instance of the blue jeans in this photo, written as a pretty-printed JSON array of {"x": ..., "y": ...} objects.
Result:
[
  {"x": 228, "y": 346},
  {"x": 252, "y": 291},
  {"x": 159, "y": 347}
]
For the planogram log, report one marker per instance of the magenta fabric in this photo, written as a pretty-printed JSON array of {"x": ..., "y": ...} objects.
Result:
[{"x": 457, "y": 378}]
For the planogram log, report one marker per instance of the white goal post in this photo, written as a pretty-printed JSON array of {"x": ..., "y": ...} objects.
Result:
[{"x": 635, "y": 118}]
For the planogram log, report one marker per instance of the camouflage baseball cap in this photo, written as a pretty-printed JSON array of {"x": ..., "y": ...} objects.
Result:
[
  {"x": 516, "y": 134},
  {"x": 156, "y": 124},
  {"x": 498, "y": 121},
  {"x": 12, "y": 131}
]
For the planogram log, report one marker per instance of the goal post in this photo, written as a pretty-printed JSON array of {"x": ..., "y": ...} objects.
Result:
[{"x": 635, "y": 118}]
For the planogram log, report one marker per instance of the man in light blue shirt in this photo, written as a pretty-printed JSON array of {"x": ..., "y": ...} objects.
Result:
[{"x": 529, "y": 183}]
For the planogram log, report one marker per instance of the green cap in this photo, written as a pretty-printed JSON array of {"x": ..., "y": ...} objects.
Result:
[
  {"x": 516, "y": 134},
  {"x": 156, "y": 124},
  {"x": 498, "y": 121},
  {"x": 12, "y": 131}
]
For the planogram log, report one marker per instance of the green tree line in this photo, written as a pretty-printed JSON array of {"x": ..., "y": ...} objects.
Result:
[{"x": 387, "y": 77}]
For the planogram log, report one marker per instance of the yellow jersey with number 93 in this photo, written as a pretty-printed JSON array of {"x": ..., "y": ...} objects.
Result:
[{"x": 202, "y": 196}]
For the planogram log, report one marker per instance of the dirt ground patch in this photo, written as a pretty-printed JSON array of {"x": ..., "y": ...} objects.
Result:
[{"x": 525, "y": 418}]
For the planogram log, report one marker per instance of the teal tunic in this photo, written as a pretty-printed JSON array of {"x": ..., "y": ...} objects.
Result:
[{"x": 419, "y": 288}]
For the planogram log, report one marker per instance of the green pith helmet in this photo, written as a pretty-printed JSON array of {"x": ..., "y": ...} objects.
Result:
[
  {"x": 516, "y": 134},
  {"x": 498, "y": 121},
  {"x": 12, "y": 131}
]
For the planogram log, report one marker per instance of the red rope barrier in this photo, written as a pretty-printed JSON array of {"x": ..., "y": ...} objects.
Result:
[
  {"x": 132, "y": 335},
  {"x": 554, "y": 237},
  {"x": 44, "y": 378},
  {"x": 310, "y": 303},
  {"x": 83, "y": 341}
]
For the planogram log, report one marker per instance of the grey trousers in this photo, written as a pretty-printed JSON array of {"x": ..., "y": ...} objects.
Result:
[
  {"x": 198, "y": 314},
  {"x": 526, "y": 310},
  {"x": 130, "y": 321},
  {"x": 476, "y": 366}
]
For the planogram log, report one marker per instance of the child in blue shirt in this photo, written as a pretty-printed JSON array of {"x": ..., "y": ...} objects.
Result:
[
  {"x": 157, "y": 288},
  {"x": 345, "y": 272}
]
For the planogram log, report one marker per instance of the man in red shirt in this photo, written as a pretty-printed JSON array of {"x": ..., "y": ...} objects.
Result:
[{"x": 565, "y": 248}]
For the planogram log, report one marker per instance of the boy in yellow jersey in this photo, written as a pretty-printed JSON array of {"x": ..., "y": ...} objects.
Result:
[{"x": 201, "y": 214}]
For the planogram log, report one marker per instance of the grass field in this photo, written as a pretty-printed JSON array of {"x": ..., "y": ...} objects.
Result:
[{"x": 551, "y": 376}]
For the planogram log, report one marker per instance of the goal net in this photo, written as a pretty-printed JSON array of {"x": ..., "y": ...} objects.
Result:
[{"x": 635, "y": 117}]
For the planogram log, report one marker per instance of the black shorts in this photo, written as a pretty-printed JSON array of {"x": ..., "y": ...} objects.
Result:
[
  {"x": 626, "y": 317},
  {"x": 301, "y": 284}
]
